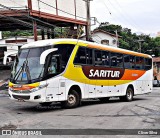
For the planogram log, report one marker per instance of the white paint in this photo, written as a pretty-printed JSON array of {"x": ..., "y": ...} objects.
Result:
[{"x": 44, "y": 55}]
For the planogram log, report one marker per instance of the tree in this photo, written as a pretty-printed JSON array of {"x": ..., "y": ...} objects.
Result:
[{"x": 131, "y": 41}]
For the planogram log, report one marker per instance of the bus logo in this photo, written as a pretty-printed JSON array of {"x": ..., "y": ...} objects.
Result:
[{"x": 102, "y": 73}]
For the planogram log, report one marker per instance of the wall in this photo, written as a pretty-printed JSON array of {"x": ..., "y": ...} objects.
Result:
[
  {"x": 64, "y": 8},
  {"x": 15, "y": 4},
  {"x": 98, "y": 36}
]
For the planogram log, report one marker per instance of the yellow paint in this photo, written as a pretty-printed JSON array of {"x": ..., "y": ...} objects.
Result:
[
  {"x": 30, "y": 85},
  {"x": 75, "y": 73}
]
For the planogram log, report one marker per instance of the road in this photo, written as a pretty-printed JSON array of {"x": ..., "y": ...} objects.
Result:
[{"x": 142, "y": 113}]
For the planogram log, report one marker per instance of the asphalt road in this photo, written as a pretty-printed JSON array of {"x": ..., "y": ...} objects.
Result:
[{"x": 142, "y": 113}]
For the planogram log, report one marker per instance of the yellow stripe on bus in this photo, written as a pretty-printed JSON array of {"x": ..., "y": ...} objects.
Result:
[{"x": 72, "y": 42}]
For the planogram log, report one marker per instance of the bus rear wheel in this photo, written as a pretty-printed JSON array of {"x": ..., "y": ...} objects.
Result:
[
  {"x": 129, "y": 95},
  {"x": 73, "y": 100}
]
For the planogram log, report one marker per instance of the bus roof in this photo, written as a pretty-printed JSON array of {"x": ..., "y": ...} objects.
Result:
[{"x": 43, "y": 43}]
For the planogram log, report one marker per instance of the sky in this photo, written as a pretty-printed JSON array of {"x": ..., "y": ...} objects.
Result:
[{"x": 138, "y": 15}]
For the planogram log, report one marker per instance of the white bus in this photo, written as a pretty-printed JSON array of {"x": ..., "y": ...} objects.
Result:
[
  {"x": 70, "y": 70},
  {"x": 5, "y": 51}
]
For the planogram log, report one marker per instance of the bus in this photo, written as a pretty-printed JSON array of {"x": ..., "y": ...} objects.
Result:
[
  {"x": 70, "y": 70},
  {"x": 5, "y": 51}
]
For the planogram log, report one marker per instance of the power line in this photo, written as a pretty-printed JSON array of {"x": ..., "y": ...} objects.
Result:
[
  {"x": 107, "y": 8},
  {"x": 121, "y": 11},
  {"x": 111, "y": 15}
]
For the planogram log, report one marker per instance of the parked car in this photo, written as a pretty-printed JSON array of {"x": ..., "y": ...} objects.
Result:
[{"x": 156, "y": 83}]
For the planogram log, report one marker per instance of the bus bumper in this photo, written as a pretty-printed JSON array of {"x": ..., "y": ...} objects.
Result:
[{"x": 37, "y": 96}]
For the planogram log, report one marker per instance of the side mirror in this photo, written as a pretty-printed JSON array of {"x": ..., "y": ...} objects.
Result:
[
  {"x": 45, "y": 53},
  {"x": 8, "y": 54}
]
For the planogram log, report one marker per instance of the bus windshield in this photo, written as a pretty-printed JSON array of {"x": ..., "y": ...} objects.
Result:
[{"x": 27, "y": 67}]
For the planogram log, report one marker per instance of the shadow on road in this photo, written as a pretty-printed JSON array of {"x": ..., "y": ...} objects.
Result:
[{"x": 57, "y": 106}]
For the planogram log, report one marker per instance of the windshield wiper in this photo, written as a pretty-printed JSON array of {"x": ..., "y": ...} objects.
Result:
[{"x": 23, "y": 68}]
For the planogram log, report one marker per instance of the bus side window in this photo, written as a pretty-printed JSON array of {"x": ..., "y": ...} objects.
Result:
[
  {"x": 80, "y": 57},
  {"x": 120, "y": 60},
  {"x": 105, "y": 58},
  {"x": 98, "y": 57},
  {"x": 139, "y": 63},
  {"x": 113, "y": 58},
  {"x": 132, "y": 62},
  {"x": 148, "y": 64},
  {"x": 89, "y": 56},
  {"x": 52, "y": 68},
  {"x": 127, "y": 61}
]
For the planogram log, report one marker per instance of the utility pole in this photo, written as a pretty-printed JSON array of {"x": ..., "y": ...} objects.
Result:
[
  {"x": 140, "y": 44},
  {"x": 88, "y": 27},
  {"x": 117, "y": 38}
]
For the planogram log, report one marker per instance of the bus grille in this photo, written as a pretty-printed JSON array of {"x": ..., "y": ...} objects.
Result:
[
  {"x": 17, "y": 91},
  {"x": 21, "y": 97}
]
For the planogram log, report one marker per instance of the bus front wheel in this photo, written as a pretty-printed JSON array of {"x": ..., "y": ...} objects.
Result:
[
  {"x": 129, "y": 95},
  {"x": 73, "y": 100}
]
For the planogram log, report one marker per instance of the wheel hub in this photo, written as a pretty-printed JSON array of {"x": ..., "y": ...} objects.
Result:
[
  {"x": 71, "y": 99},
  {"x": 129, "y": 94}
]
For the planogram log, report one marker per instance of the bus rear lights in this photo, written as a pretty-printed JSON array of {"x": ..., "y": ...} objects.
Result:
[{"x": 37, "y": 97}]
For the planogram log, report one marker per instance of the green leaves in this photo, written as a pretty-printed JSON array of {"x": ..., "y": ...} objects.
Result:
[{"x": 132, "y": 41}]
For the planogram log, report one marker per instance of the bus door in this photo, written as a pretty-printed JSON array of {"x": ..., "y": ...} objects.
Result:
[{"x": 56, "y": 86}]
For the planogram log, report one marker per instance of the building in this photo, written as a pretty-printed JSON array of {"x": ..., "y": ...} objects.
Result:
[
  {"x": 12, "y": 45},
  {"x": 103, "y": 37},
  {"x": 156, "y": 63},
  {"x": 44, "y": 15},
  {"x": 158, "y": 34}
]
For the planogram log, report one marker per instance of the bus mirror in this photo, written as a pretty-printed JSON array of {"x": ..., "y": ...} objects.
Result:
[
  {"x": 45, "y": 53},
  {"x": 6, "y": 56}
]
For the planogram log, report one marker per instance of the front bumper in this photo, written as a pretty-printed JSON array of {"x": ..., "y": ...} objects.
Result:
[{"x": 37, "y": 96}]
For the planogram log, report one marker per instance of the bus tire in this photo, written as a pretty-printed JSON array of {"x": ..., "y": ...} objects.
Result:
[
  {"x": 45, "y": 104},
  {"x": 129, "y": 95},
  {"x": 73, "y": 100},
  {"x": 104, "y": 99}
]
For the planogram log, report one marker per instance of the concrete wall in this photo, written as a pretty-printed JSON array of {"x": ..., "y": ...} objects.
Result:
[
  {"x": 15, "y": 4},
  {"x": 64, "y": 8}
]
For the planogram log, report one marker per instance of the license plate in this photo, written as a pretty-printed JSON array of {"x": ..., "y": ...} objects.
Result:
[{"x": 21, "y": 100}]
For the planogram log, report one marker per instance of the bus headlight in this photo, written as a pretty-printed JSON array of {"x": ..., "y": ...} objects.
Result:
[{"x": 38, "y": 88}]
